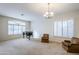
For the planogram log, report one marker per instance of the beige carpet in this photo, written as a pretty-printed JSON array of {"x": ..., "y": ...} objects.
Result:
[{"x": 31, "y": 47}]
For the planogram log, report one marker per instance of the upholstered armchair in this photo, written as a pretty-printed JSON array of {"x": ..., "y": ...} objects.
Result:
[
  {"x": 45, "y": 38},
  {"x": 71, "y": 45}
]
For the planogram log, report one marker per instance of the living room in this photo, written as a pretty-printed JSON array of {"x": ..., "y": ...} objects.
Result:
[{"x": 16, "y": 18}]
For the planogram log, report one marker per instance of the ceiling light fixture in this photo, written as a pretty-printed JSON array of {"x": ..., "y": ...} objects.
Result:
[
  {"x": 22, "y": 14},
  {"x": 48, "y": 14}
]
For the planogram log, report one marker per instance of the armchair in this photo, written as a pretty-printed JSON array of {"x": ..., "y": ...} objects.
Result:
[
  {"x": 45, "y": 38},
  {"x": 71, "y": 45}
]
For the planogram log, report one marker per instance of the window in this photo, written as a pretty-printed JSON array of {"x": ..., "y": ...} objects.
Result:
[
  {"x": 64, "y": 28},
  {"x": 70, "y": 27},
  {"x": 59, "y": 28},
  {"x": 16, "y": 27},
  {"x": 55, "y": 28},
  {"x": 20, "y": 29},
  {"x": 10, "y": 29}
]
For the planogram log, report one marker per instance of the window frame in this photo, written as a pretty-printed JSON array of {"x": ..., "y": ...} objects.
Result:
[
  {"x": 17, "y": 29},
  {"x": 67, "y": 36}
]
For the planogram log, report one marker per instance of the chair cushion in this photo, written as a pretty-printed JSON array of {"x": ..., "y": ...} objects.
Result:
[{"x": 66, "y": 44}]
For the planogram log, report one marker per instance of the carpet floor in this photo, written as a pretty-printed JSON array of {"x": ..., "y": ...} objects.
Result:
[{"x": 31, "y": 47}]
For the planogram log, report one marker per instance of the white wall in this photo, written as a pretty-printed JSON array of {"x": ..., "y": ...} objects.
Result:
[
  {"x": 4, "y": 28},
  {"x": 43, "y": 25}
]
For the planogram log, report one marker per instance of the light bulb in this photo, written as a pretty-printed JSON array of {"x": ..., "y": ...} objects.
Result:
[
  {"x": 46, "y": 13},
  {"x": 51, "y": 13}
]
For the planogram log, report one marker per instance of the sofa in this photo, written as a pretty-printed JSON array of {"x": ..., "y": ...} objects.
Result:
[{"x": 71, "y": 45}]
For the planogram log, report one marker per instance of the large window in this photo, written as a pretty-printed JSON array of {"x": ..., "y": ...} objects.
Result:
[
  {"x": 16, "y": 27},
  {"x": 64, "y": 28}
]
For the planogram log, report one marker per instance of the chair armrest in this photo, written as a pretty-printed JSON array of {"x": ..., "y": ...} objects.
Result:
[
  {"x": 75, "y": 46},
  {"x": 67, "y": 41}
]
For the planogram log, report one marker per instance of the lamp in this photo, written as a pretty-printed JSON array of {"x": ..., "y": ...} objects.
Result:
[{"x": 48, "y": 14}]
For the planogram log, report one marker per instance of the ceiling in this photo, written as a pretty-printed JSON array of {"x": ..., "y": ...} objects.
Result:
[{"x": 28, "y": 11}]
